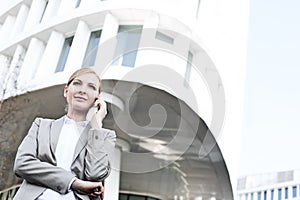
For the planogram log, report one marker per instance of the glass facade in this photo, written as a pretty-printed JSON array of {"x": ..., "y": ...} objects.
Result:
[
  {"x": 259, "y": 196},
  {"x": 294, "y": 191},
  {"x": 128, "y": 40},
  {"x": 77, "y": 3},
  {"x": 92, "y": 49},
  {"x": 163, "y": 37},
  {"x": 279, "y": 194},
  {"x": 272, "y": 194},
  {"x": 286, "y": 193},
  {"x": 265, "y": 195},
  {"x": 64, "y": 54}
]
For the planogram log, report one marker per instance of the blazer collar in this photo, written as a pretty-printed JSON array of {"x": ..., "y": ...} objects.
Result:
[{"x": 55, "y": 131}]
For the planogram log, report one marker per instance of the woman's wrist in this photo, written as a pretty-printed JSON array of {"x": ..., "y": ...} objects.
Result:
[{"x": 96, "y": 123}]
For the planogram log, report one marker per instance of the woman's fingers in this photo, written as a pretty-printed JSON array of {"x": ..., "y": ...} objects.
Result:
[{"x": 88, "y": 187}]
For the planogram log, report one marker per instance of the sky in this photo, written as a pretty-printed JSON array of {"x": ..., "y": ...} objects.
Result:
[{"x": 271, "y": 121}]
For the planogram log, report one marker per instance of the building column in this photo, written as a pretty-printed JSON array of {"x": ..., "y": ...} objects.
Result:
[
  {"x": 7, "y": 27},
  {"x": 32, "y": 59},
  {"x": 20, "y": 20},
  {"x": 276, "y": 194},
  {"x": 255, "y": 195},
  {"x": 78, "y": 48},
  {"x": 112, "y": 183},
  {"x": 4, "y": 69},
  {"x": 106, "y": 49},
  {"x": 51, "y": 10},
  {"x": 268, "y": 195},
  {"x": 147, "y": 39},
  {"x": 14, "y": 70},
  {"x": 35, "y": 13},
  {"x": 51, "y": 55},
  {"x": 290, "y": 192}
]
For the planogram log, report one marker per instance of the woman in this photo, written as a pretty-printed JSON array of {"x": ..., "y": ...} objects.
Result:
[{"x": 68, "y": 158}]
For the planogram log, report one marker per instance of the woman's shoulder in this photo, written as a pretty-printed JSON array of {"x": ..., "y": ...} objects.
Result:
[{"x": 39, "y": 120}]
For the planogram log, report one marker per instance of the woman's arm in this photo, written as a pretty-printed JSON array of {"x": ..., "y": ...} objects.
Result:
[
  {"x": 29, "y": 167},
  {"x": 100, "y": 148}
]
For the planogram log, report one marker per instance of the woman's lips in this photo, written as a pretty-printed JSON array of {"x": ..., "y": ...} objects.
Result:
[{"x": 80, "y": 98}]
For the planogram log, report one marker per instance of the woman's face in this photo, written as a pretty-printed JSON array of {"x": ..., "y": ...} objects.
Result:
[{"x": 82, "y": 92}]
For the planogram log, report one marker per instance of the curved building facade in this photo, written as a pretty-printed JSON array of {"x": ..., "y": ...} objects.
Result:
[{"x": 172, "y": 75}]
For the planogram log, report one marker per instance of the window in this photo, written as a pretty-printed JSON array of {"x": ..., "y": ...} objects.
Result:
[
  {"x": 123, "y": 197},
  {"x": 128, "y": 40},
  {"x": 77, "y": 3},
  {"x": 265, "y": 195},
  {"x": 294, "y": 191},
  {"x": 246, "y": 196},
  {"x": 272, "y": 194},
  {"x": 92, "y": 48},
  {"x": 251, "y": 196},
  {"x": 286, "y": 193},
  {"x": 279, "y": 194},
  {"x": 188, "y": 70},
  {"x": 44, "y": 10},
  {"x": 135, "y": 197},
  {"x": 258, "y": 195},
  {"x": 163, "y": 37},
  {"x": 64, "y": 54}
]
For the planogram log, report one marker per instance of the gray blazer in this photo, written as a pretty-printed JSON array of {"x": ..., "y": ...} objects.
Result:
[{"x": 35, "y": 160}]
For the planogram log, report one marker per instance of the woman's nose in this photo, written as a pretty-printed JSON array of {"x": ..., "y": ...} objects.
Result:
[{"x": 82, "y": 89}]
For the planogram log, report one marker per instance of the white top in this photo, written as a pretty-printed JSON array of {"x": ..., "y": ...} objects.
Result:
[{"x": 64, "y": 153}]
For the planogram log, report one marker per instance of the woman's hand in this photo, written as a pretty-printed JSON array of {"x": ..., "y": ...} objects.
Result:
[
  {"x": 93, "y": 189},
  {"x": 98, "y": 117}
]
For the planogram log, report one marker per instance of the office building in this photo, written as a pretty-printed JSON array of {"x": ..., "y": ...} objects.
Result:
[{"x": 270, "y": 186}]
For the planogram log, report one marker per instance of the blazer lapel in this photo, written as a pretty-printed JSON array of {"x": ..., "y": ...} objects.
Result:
[
  {"x": 82, "y": 142},
  {"x": 55, "y": 131}
]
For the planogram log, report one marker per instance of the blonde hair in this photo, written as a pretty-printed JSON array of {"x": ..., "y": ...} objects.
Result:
[{"x": 81, "y": 71}]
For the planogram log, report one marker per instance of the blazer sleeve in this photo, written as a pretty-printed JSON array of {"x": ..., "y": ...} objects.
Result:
[
  {"x": 100, "y": 149},
  {"x": 29, "y": 167}
]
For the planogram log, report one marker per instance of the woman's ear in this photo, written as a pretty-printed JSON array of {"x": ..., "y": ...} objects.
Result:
[{"x": 65, "y": 91}]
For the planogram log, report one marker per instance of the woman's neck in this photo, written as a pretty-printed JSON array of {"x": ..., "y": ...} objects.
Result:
[{"x": 77, "y": 117}]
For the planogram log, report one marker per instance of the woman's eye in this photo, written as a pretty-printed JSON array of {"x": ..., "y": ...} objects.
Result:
[
  {"x": 76, "y": 83},
  {"x": 93, "y": 87}
]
